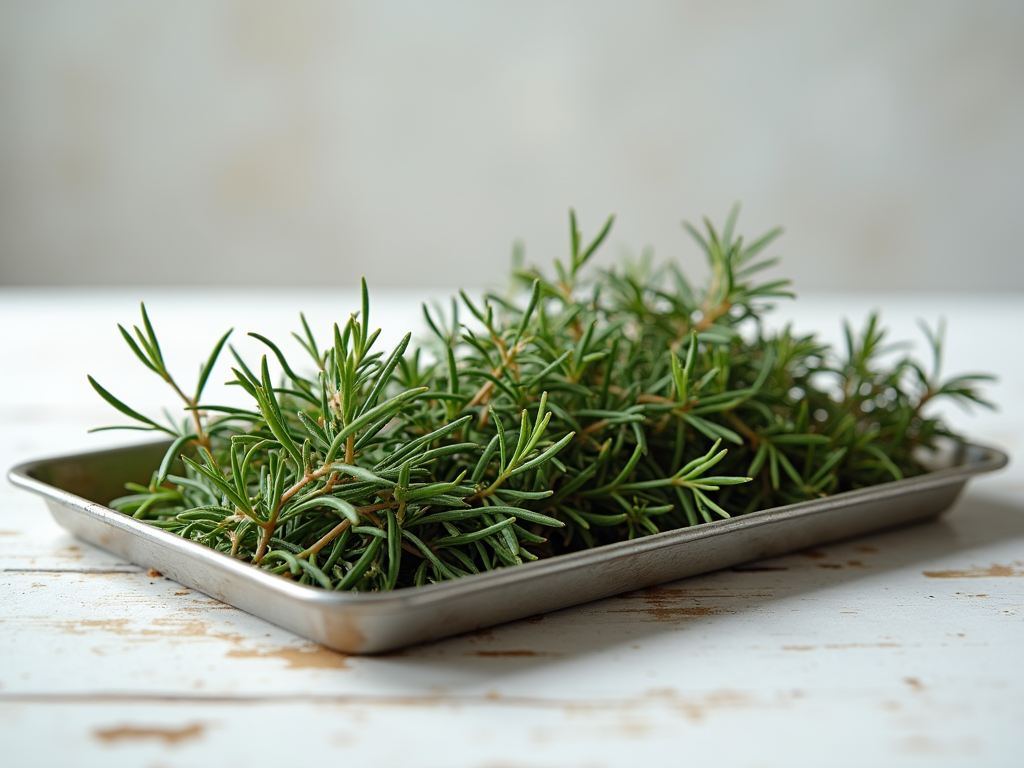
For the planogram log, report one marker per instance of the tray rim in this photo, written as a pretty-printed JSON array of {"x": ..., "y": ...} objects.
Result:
[{"x": 21, "y": 476}]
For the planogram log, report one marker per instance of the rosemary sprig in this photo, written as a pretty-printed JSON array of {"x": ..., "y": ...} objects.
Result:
[{"x": 573, "y": 413}]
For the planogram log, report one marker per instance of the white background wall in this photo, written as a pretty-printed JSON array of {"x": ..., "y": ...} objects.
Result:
[{"x": 299, "y": 143}]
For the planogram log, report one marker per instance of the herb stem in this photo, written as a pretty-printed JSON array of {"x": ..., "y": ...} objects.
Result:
[{"x": 616, "y": 361}]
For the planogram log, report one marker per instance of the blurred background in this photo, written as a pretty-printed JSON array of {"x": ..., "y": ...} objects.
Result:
[{"x": 249, "y": 142}]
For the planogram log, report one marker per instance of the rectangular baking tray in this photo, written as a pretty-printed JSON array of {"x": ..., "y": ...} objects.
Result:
[{"x": 76, "y": 488}]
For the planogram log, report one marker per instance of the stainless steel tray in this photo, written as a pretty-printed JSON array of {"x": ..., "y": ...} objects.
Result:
[{"x": 76, "y": 488}]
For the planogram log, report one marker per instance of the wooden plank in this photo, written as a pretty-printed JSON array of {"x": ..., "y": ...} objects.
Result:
[
  {"x": 920, "y": 602},
  {"x": 900, "y": 648},
  {"x": 893, "y": 725}
]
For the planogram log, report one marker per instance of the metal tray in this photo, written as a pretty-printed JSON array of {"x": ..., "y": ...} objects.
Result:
[{"x": 76, "y": 488}]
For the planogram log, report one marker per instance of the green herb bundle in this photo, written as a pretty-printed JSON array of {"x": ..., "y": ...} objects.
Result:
[{"x": 567, "y": 414}]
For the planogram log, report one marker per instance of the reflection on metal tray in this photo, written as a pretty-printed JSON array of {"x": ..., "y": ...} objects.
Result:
[{"x": 77, "y": 487}]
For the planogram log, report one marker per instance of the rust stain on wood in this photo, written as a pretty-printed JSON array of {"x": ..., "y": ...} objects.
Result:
[
  {"x": 814, "y": 554},
  {"x": 914, "y": 683},
  {"x": 667, "y": 604},
  {"x": 192, "y": 628},
  {"x": 153, "y": 573},
  {"x": 71, "y": 552},
  {"x": 698, "y": 709},
  {"x": 160, "y": 628},
  {"x": 310, "y": 656},
  {"x": 170, "y": 736},
  {"x": 978, "y": 573},
  {"x": 85, "y": 626}
]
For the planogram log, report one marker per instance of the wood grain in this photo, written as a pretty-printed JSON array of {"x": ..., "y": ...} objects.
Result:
[{"x": 898, "y": 649}]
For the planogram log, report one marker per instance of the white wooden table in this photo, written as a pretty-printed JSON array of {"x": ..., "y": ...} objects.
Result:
[{"x": 903, "y": 648}]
